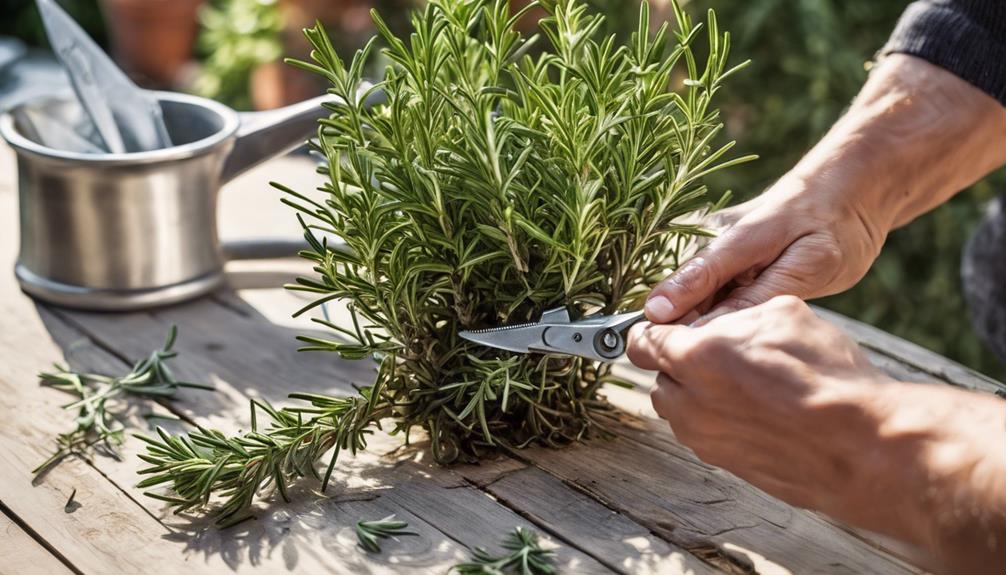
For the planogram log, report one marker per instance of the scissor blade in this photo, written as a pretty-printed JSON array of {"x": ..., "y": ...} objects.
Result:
[{"x": 520, "y": 338}]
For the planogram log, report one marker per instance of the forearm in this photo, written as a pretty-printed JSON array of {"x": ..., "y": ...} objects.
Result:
[
  {"x": 914, "y": 136},
  {"x": 935, "y": 474}
]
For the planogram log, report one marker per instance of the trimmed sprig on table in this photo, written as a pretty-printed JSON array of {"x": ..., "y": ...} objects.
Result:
[
  {"x": 494, "y": 183},
  {"x": 98, "y": 424}
]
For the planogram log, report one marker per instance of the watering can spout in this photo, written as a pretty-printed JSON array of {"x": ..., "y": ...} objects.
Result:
[{"x": 265, "y": 135}]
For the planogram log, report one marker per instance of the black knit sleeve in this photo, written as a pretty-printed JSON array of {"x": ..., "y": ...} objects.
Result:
[{"x": 966, "y": 37}]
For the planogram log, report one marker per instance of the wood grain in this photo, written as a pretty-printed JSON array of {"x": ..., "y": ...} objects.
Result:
[
  {"x": 930, "y": 363},
  {"x": 20, "y": 554}
]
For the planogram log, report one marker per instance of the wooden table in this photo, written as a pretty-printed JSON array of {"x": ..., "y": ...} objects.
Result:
[{"x": 638, "y": 503}]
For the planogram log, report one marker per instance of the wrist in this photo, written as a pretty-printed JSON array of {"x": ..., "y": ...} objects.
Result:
[
  {"x": 934, "y": 458},
  {"x": 915, "y": 135}
]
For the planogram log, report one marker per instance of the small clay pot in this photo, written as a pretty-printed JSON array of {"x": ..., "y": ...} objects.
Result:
[
  {"x": 276, "y": 84},
  {"x": 152, "y": 39}
]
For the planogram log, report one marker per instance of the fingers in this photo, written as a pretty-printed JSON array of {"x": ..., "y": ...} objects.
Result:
[
  {"x": 651, "y": 346},
  {"x": 663, "y": 395},
  {"x": 740, "y": 250},
  {"x": 801, "y": 271}
]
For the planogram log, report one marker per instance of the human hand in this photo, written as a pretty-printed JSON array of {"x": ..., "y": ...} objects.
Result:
[
  {"x": 772, "y": 393},
  {"x": 800, "y": 238},
  {"x": 818, "y": 230},
  {"x": 786, "y": 401}
]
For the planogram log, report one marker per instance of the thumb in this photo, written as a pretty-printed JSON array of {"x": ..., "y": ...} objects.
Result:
[{"x": 741, "y": 249}]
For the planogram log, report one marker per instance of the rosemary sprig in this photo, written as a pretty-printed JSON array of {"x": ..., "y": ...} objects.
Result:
[
  {"x": 207, "y": 462},
  {"x": 368, "y": 532},
  {"x": 525, "y": 557},
  {"x": 97, "y": 423}
]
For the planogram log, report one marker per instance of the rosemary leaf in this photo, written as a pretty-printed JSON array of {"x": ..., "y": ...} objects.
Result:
[
  {"x": 524, "y": 557},
  {"x": 97, "y": 422},
  {"x": 369, "y": 532}
]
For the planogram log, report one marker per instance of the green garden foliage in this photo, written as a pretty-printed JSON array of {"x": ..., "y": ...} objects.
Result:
[{"x": 236, "y": 36}]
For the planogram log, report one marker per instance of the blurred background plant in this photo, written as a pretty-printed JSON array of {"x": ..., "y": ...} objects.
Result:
[
  {"x": 809, "y": 59},
  {"x": 237, "y": 37},
  {"x": 21, "y": 20}
]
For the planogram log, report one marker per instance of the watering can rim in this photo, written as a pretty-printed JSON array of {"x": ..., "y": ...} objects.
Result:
[{"x": 231, "y": 123}]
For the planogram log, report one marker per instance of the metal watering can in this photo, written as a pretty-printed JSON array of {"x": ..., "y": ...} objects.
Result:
[{"x": 127, "y": 231}]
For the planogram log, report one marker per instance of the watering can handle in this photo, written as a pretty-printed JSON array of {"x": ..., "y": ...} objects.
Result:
[{"x": 265, "y": 135}]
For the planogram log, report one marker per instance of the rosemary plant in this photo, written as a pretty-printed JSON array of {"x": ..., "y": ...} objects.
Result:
[
  {"x": 491, "y": 185},
  {"x": 96, "y": 421}
]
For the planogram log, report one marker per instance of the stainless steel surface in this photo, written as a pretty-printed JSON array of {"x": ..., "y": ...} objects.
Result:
[
  {"x": 127, "y": 118},
  {"x": 36, "y": 125},
  {"x": 598, "y": 337},
  {"x": 126, "y": 231},
  {"x": 11, "y": 49}
]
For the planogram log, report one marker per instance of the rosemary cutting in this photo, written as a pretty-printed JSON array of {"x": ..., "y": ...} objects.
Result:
[
  {"x": 97, "y": 423},
  {"x": 492, "y": 185},
  {"x": 205, "y": 461},
  {"x": 525, "y": 557},
  {"x": 368, "y": 532}
]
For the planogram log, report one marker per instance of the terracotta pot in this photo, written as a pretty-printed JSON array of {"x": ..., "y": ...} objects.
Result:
[
  {"x": 529, "y": 23},
  {"x": 348, "y": 23},
  {"x": 152, "y": 39},
  {"x": 276, "y": 84}
]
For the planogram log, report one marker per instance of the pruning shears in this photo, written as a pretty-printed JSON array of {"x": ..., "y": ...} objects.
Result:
[{"x": 596, "y": 337}]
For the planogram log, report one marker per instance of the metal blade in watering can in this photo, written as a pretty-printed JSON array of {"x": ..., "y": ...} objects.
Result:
[
  {"x": 52, "y": 132},
  {"x": 127, "y": 118}
]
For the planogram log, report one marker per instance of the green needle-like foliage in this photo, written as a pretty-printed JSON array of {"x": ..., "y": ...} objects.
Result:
[
  {"x": 492, "y": 185},
  {"x": 96, "y": 394},
  {"x": 206, "y": 462},
  {"x": 369, "y": 532},
  {"x": 525, "y": 557}
]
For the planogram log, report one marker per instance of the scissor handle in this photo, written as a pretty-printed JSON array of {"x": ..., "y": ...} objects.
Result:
[
  {"x": 609, "y": 342},
  {"x": 599, "y": 338}
]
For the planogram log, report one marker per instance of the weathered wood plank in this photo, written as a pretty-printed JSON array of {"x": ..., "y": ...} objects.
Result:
[
  {"x": 700, "y": 507},
  {"x": 22, "y": 555},
  {"x": 914, "y": 355},
  {"x": 110, "y": 532},
  {"x": 608, "y": 535}
]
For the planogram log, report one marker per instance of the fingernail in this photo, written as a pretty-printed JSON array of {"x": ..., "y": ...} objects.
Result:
[{"x": 659, "y": 309}]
